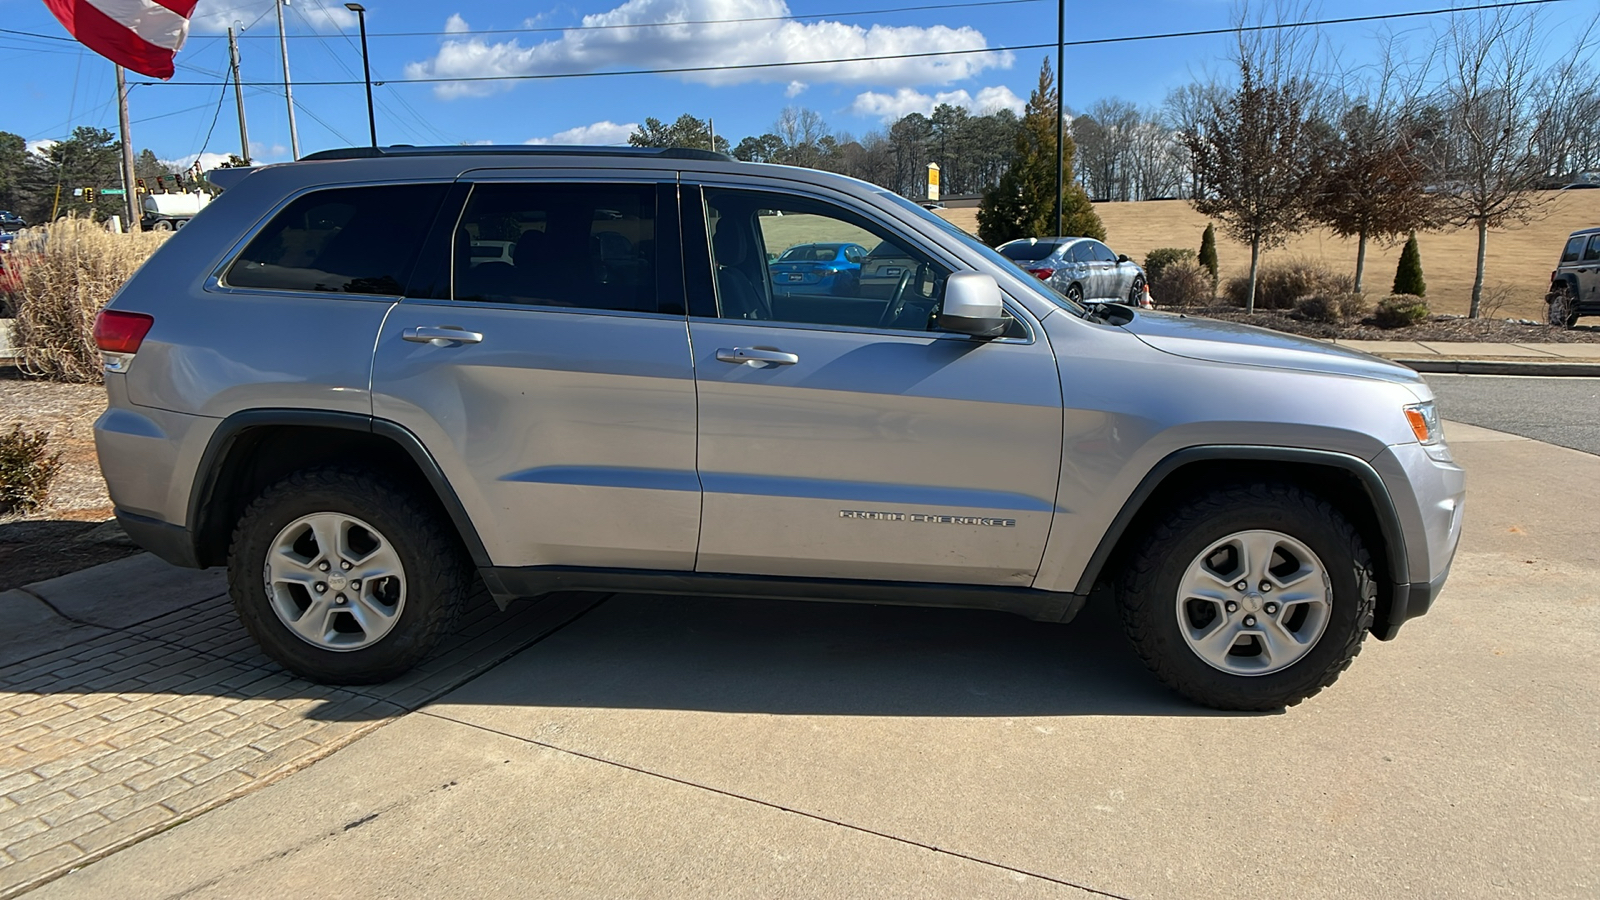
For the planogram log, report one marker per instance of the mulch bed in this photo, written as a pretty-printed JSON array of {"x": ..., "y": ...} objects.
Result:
[{"x": 1439, "y": 328}]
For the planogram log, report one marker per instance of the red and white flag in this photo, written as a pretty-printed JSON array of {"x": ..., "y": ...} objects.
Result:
[{"x": 142, "y": 35}]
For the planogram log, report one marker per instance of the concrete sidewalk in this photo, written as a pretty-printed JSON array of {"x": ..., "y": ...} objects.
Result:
[
  {"x": 692, "y": 747},
  {"x": 1469, "y": 358}
]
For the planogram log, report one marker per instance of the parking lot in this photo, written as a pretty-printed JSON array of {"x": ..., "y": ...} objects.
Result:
[{"x": 646, "y": 746}]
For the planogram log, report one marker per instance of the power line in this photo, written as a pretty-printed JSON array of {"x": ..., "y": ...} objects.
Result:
[{"x": 675, "y": 70}]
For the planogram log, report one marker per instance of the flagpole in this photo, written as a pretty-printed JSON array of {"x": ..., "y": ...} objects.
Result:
[{"x": 130, "y": 200}]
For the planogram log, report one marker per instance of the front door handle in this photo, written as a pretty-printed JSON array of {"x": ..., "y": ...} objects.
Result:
[
  {"x": 758, "y": 357},
  {"x": 440, "y": 335}
]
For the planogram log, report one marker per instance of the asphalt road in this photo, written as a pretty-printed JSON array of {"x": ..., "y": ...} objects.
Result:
[{"x": 1562, "y": 411}]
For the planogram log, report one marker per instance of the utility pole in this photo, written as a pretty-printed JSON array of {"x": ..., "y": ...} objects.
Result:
[
  {"x": 238, "y": 98},
  {"x": 1061, "y": 106},
  {"x": 366, "y": 67},
  {"x": 711, "y": 125},
  {"x": 130, "y": 202},
  {"x": 288, "y": 94}
]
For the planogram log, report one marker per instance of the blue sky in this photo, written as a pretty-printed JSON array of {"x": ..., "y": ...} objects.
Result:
[{"x": 53, "y": 85}]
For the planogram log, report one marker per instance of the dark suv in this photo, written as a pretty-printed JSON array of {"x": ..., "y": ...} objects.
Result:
[{"x": 1575, "y": 284}]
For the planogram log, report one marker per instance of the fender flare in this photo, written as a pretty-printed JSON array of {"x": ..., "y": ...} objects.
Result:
[
  {"x": 228, "y": 432},
  {"x": 1377, "y": 492}
]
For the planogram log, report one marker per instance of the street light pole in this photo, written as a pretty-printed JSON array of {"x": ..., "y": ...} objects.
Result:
[{"x": 366, "y": 68}]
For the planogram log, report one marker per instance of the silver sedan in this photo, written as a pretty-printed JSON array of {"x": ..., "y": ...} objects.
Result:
[{"x": 1081, "y": 269}]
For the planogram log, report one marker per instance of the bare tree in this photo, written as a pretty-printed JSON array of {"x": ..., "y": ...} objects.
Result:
[
  {"x": 1257, "y": 152},
  {"x": 1495, "y": 100},
  {"x": 1375, "y": 181}
]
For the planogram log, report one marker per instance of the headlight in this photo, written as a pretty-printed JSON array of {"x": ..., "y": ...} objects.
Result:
[{"x": 1424, "y": 419}]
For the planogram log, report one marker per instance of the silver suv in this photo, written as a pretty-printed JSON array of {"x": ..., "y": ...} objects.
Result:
[{"x": 341, "y": 384}]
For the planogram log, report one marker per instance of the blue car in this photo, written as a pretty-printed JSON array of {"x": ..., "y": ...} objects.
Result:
[{"x": 819, "y": 269}]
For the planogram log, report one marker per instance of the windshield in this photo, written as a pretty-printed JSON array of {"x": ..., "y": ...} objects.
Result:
[{"x": 986, "y": 252}]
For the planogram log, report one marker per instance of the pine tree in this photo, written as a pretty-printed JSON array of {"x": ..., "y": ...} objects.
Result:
[
  {"x": 1022, "y": 204},
  {"x": 1408, "y": 275},
  {"x": 1208, "y": 251}
]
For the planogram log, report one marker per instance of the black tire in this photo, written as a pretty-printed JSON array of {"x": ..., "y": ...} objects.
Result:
[
  {"x": 1562, "y": 307},
  {"x": 437, "y": 576},
  {"x": 1075, "y": 292},
  {"x": 1137, "y": 291},
  {"x": 1150, "y": 584}
]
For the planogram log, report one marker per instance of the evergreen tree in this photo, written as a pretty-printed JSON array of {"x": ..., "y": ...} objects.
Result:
[
  {"x": 1208, "y": 251},
  {"x": 1023, "y": 203},
  {"x": 687, "y": 131},
  {"x": 1408, "y": 275}
]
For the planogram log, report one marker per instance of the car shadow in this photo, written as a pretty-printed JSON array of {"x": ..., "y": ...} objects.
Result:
[{"x": 797, "y": 658}]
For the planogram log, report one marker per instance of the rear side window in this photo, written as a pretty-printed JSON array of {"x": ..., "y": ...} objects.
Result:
[
  {"x": 1028, "y": 252},
  {"x": 1573, "y": 249},
  {"x": 589, "y": 246},
  {"x": 346, "y": 240},
  {"x": 1593, "y": 253}
]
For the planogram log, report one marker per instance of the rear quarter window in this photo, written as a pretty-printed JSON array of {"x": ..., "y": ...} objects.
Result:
[
  {"x": 360, "y": 240},
  {"x": 1573, "y": 249}
]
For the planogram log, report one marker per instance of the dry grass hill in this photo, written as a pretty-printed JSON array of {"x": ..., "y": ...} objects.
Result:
[{"x": 1518, "y": 262}]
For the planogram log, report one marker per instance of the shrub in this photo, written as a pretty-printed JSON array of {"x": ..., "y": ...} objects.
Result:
[
  {"x": 1208, "y": 251},
  {"x": 66, "y": 271},
  {"x": 1401, "y": 310},
  {"x": 1408, "y": 274},
  {"x": 1182, "y": 283},
  {"x": 1332, "y": 309},
  {"x": 25, "y": 470},
  {"x": 1279, "y": 285},
  {"x": 1160, "y": 258}
]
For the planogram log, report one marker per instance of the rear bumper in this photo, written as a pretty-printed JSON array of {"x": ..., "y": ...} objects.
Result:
[{"x": 172, "y": 543}]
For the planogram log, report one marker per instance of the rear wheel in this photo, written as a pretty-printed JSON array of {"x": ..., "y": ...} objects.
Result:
[
  {"x": 1249, "y": 597},
  {"x": 1562, "y": 311},
  {"x": 345, "y": 578},
  {"x": 1075, "y": 293}
]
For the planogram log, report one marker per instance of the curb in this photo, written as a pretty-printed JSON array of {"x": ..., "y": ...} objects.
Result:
[{"x": 1500, "y": 367}]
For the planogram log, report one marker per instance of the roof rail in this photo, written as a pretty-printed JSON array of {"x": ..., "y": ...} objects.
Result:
[{"x": 399, "y": 150}]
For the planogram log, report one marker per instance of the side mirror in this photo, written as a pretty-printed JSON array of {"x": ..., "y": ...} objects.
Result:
[
  {"x": 972, "y": 305},
  {"x": 1122, "y": 258}
]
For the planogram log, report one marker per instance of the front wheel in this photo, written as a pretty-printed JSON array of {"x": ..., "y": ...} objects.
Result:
[
  {"x": 1137, "y": 292},
  {"x": 1249, "y": 597},
  {"x": 345, "y": 578}
]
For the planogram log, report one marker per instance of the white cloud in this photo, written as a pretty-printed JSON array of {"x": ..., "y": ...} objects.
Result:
[
  {"x": 795, "y": 89},
  {"x": 721, "y": 44},
  {"x": 40, "y": 146},
  {"x": 607, "y": 132},
  {"x": 216, "y": 16},
  {"x": 455, "y": 24},
  {"x": 208, "y": 161},
  {"x": 906, "y": 101}
]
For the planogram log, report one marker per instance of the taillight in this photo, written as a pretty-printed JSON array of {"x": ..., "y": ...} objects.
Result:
[
  {"x": 121, "y": 332},
  {"x": 1043, "y": 273}
]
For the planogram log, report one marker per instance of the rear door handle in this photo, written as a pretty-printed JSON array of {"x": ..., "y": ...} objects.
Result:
[
  {"x": 758, "y": 357},
  {"x": 441, "y": 335}
]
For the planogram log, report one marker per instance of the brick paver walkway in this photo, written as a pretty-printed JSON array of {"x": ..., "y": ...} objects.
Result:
[{"x": 120, "y": 736}]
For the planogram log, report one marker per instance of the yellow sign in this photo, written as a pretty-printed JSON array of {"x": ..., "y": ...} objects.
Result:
[{"x": 933, "y": 181}]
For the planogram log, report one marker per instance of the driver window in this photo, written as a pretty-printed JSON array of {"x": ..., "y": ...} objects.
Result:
[{"x": 793, "y": 259}]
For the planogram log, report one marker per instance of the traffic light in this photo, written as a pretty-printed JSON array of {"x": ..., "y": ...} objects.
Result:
[
  {"x": 90, "y": 195},
  {"x": 141, "y": 188}
]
